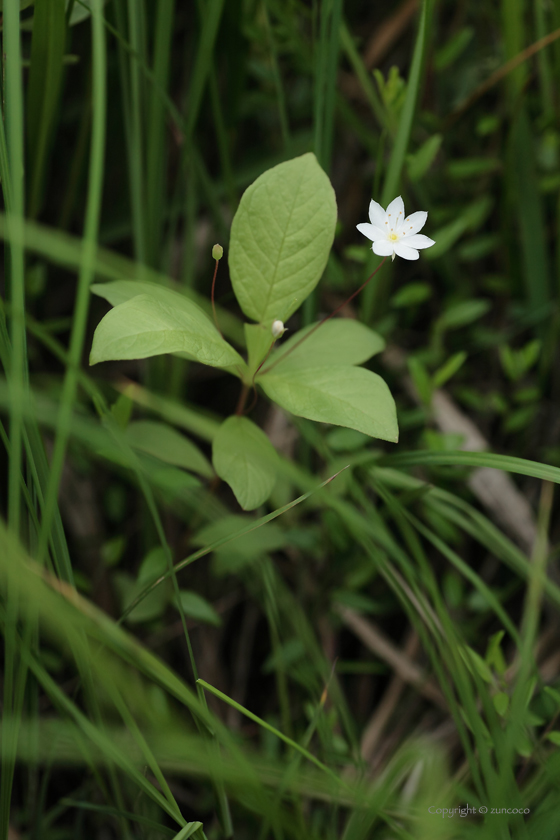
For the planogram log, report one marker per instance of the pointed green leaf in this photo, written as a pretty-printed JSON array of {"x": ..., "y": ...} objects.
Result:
[
  {"x": 168, "y": 445},
  {"x": 259, "y": 341},
  {"x": 281, "y": 236},
  {"x": 342, "y": 395},
  {"x": 252, "y": 545},
  {"x": 119, "y": 291},
  {"x": 245, "y": 458},
  {"x": 197, "y": 607},
  {"x": 145, "y": 326},
  {"x": 341, "y": 341}
]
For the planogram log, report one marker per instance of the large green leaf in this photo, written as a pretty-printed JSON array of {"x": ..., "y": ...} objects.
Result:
[
  {"x": 119, "y": 291},
  {"x": 281, "y": 236},
  {"x": 245, "y": 458},
  {"x": 147, "y": 326},
  {"x": 341, "y": 395},
  {"x": 341, "y": 341},
  {"x": 168, "y": 445}
]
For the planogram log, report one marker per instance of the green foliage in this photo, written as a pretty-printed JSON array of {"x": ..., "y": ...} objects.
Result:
[
  {"x": 129, "y": 131},
  {"x": 146, "y": 326},
  {"x": 168, "y": 445},
  {"x": 340, "y": 341},
  {"x": 344, "y": 396},
  {"x": 281, "y": 236},
  {"x": 244, "y": 457}
]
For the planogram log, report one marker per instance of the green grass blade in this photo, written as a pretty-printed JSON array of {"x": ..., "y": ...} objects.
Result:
[
  {"x": 45, "y": 78},
  {"x": 224, "y": 541},
  {"x": 362, "y": 74},
  {"x": 265, "y": 725},
  {"x": 11, "y": 48},
  {"x": 509, "y": 463},
  {"x": 529, "y": 211},
  {"x": 326, "y": 69},
  {"x": 133, "y": 116},
  {"x": 86, "y": 274},
  {"x": 280, "y": 95},
  {"x": 14, "y": 137},
  {"x": 210, "y": 15},
  {"x": 156, "y": 132}
]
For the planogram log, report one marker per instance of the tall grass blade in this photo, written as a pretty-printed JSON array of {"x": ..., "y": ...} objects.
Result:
[
  {"x": 86, "y": 274},
  {"x": 43, "y": 92},
  {"x": 11, "y": 48}
]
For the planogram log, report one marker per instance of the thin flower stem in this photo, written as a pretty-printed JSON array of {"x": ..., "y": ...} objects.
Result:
[
  {"x": 320, "y": 324},
  {"x": 242, "y": 400},
  {"x": 212, "y": 297},
  {"x": 254, "y": 387}
]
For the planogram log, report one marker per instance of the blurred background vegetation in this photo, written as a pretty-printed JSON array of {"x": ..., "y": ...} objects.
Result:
[{"x": 399, "y": 626}]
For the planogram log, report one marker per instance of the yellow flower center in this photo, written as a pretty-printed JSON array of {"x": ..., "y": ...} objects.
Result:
[{"x": 393, "y": 237}]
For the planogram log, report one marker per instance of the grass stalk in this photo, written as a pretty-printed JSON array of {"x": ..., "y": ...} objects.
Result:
[{"x": 93, "y": 209}]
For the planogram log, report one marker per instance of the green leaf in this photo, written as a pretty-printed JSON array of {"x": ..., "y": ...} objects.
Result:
[
  {"x": 250, "y": 546},
  {"x": 341, "y": 341},
  {"x": 470, "y": 219},
  {"x": 421, "y": 379},
  {"x": 554, "y": 737},
  {"x": 119, "y": 291},
  {"x": 419, "y": 163},
  {"x": 259, "y": 341},
  {"x": 245, "y": 458},
  {"x": 501, "y": 703},
  {"x": 145, "y": 326},
  {"x": 449, "y": 369},
  {"x": 281, "y": 236},
  {"x": 411, "y": 294},
  {"x": 168, "y": 445},
  {"x": 153, "y": 566},
  {"x": 474, "y": 661},
  {"x": 341, "y": 395},
  {"x": 197, "y": 607},
  {"x": 462, "y": 314},
  {"x": 81, "y": 10}
]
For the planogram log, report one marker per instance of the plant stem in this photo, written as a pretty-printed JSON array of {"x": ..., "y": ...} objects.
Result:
[
  {"x": 327, "y": 318},
  {"x": 242, "y": 400},
  {"x": 212, "y": 297}
]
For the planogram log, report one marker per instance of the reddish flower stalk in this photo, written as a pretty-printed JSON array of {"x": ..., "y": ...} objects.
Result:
[{"x": 217, "y": 253}]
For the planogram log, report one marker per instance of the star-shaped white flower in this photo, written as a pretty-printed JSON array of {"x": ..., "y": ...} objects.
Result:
[{"x": 392, "y": 234}]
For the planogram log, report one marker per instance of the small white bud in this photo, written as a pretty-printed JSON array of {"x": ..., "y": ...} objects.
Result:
[{"x": 278, "y": 329}]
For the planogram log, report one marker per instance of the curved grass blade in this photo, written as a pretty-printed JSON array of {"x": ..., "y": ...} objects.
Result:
[
  {"x": 509, "y": 463},
  {"x": 265, "y": 725},
  {"x": 210, "y": 548}
]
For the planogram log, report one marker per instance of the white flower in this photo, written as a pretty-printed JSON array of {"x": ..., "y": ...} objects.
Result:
[
  {"x": 278, "y": 329},
  {"x": 392, "y": 234}
]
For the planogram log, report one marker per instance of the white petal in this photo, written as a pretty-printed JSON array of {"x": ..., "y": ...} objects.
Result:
[
  {"x": 415, "y": 222},
  {"x": 376, "y": 214},
  {"x": 383, "y": 248},
  {"x": 371, "y": 231},
  {"x": 395, "y": 213},
  {"x": 418, "y": 241},
  {"x": 405, "y": 252}
]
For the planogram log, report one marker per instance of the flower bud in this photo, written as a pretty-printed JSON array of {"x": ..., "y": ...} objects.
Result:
[
  {"x": 217, "y": 252},
  {"x": 278, "y": 329}
]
